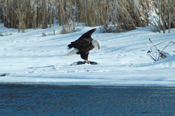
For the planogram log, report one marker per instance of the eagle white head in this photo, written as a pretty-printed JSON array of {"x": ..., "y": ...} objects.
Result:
[{"x": 96, "y": 43}]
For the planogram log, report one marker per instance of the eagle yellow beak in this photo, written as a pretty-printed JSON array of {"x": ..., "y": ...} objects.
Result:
[{"x": 98, "y": 47}]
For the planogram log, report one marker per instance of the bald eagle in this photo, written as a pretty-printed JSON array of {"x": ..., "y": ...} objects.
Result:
[{"x": 83, "y": 45}]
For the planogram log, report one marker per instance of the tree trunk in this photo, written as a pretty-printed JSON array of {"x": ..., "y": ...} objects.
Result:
[
  {"x": 34, "y": 16},
  {"x": 50, "y": 16},
  {"x": 164, "y": 23}
]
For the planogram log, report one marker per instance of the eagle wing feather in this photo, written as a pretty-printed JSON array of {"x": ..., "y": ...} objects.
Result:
[{"x": 83, "y": 44}]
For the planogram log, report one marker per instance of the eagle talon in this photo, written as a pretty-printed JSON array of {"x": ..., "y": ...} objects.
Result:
[{"x": 86, "y": 61}]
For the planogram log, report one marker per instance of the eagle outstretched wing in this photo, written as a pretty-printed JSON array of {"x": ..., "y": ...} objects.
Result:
[
  {"x": 80, "y": 43},
  {"x": 83, "y": 45},
  {"x": 84, "y": 42}
]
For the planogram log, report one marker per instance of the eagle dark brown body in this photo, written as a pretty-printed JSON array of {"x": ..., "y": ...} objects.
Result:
[{"x": 83, "y": 45}]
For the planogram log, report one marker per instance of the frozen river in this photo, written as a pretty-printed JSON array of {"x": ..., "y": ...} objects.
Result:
[{"x": 47, "y": 100}]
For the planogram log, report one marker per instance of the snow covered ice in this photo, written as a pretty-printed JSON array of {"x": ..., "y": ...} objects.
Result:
[{"x": 30, "y": 58}]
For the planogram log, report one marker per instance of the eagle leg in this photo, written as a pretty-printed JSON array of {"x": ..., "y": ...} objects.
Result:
[
  {"x": 86, "y": 61},
  {"x": 84, "y": 55}
]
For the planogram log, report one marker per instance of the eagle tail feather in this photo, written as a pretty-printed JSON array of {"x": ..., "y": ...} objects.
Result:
[
  {"x": 71, "y": 45},
  {"x": 73, "y": 52}
]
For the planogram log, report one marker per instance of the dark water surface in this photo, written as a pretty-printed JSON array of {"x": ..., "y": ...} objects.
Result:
[{"x": 46, "y": 100}]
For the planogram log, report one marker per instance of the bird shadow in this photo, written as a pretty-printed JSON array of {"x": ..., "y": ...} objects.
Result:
[{"x": 83, "y": 62}]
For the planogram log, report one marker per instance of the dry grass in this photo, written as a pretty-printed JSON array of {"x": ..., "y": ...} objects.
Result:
[{"x": 114, "y": 15}]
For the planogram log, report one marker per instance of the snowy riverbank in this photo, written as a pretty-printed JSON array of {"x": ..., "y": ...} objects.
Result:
[{"x": 30, "y": 58}]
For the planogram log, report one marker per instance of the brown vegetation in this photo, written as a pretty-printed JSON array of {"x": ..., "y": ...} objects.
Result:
[{"x": 121, "y": 14}]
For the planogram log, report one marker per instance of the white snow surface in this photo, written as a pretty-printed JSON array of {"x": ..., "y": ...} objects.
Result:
[{"x": 122, "y": 61}]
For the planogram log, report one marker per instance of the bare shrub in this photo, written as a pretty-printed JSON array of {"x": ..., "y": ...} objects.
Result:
[
  {"x": 69, "y": 27},
  {"x": 43, "y": 34},
  {"x": 118, "y": 14},
  {"x": 165, "y": 11}
]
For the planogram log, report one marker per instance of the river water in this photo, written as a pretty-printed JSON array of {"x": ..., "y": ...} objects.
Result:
[{"x": 47, "y": 100}]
